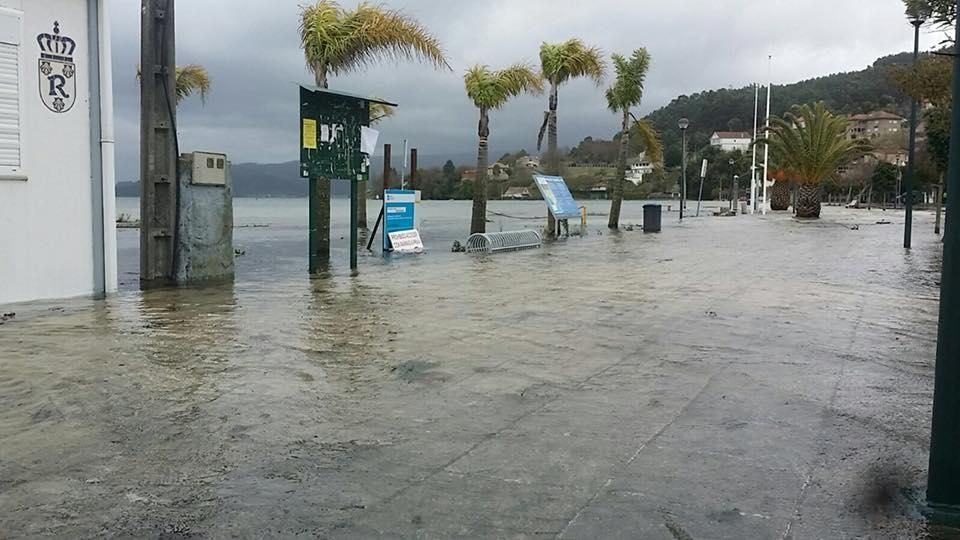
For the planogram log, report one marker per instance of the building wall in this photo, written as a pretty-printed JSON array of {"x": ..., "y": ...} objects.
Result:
[
  {"x": 46, "y": 216},
  {"x": 729, "y": 145}
]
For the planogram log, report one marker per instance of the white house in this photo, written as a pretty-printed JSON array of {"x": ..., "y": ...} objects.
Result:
[
  {"x": 639, "y": 167},
  {"x": 728, "y": 141},
  {"x": 528, "y": 162},
  {"x": 57, "y": 224}
]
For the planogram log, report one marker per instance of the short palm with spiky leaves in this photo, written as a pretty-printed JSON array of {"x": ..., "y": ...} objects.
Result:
[
  {"x": 811, "y": 143},
  {"x": 337, "y": 41},
  {"x": 626, "y": 93},
  {"x": 559, "y": 63},
  {"x": 490, "y": 90}
]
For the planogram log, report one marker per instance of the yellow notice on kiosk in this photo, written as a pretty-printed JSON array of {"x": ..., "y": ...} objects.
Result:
[{"x": 309, "y": 134}]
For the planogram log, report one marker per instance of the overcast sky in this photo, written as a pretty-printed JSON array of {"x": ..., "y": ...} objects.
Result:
[{"x": 251, "y": 50}]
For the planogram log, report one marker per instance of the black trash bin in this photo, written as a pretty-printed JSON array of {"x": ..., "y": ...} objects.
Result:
[{"x": 651, "y": 218}]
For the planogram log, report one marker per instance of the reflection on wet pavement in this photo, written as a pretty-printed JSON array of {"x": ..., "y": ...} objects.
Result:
[{"x": 728, "y": 378}]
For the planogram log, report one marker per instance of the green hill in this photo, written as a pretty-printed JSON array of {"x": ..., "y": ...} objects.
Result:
[{"x": 732, "y": 109}]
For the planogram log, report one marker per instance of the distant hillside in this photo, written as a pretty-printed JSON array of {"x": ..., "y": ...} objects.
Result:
[
  {"x": 283, "y": 179},
  {"x": 732, "y": 109}
]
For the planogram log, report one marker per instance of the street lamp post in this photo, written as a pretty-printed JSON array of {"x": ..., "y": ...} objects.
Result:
[
  {"x": 683, "y": 124},
  {"x": 735, "y": 195},
  {"x": 917, "y": 21},
  {"x": 943, "y": 480},
  {"x": 731, "y": 163}
]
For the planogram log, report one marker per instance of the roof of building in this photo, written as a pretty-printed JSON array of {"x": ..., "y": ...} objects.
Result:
[
  {"x": 516, "y": 191},
  {"x": 318, "y": 90},
  {"x": 876, "y": 115},
  {"x": 731, "y": 134}
]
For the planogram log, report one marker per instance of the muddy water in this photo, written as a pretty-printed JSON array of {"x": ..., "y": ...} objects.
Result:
[{"x": 755, "y": 369}]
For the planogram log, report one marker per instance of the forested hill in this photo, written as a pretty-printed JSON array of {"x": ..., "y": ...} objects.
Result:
[{"x": 732, "y": 109}]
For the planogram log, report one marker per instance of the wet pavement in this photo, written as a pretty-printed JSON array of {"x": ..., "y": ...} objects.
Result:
[{"x": 752, "y": 377}]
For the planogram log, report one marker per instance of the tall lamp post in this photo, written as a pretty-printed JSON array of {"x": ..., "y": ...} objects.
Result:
[
  {"x": 917, "y": 21},
  {"x": 943, "y": 480},
  {"x": 683, "y": 124}
]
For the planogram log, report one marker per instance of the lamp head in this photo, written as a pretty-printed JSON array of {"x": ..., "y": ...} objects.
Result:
[{"x": 683, "y": 123}]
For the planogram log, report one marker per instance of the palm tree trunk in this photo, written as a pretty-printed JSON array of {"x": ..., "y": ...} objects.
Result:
[
  {"x": 319, "y": 210},
  {"x": 616, "y": 200},
  {"x": 553, "y": 155},
  {"x": 808, "y": 200},
  {"x": 478, "y": 222},
  {"x": 362, "y": 205},
  {"x": 780, "y": 195}
]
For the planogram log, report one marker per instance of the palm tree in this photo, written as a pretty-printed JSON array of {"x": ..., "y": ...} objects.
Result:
[
  {"x": 780, "y": 190},
  {"x": 626, "y": 93},
  {"x": 191, "y": 79},
  {"x": 490, "y": 90},
  {"x": 560, "y": 62},
  {"x": 337, "y": 41},
  {"x": 811, "y": 143}
]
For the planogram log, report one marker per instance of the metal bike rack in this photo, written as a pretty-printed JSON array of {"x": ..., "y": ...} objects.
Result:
[{"x": 503, "y": 241}]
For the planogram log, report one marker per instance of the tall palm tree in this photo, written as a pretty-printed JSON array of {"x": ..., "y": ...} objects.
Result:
[
  {"x": 191, "y": 79},
  {"x": 560, "y": 62},
  {"x": 336, "y": 41},
  {"x": 490, "y": 90},
  {"x": 811, "y": 143},
  {"x": 626, "y": 93}
]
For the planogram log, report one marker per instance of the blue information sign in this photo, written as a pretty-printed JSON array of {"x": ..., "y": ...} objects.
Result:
[
  {"x": 398, "y": 212},
  {"x": 557, "y": 195}
]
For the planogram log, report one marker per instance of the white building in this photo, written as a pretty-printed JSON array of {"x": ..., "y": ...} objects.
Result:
[
  {"x": 529, "y": 162},
  {"x": 728, "y": 141},
  {"x": 639, "y": 167},
  {"x": 57, "y": 224}
]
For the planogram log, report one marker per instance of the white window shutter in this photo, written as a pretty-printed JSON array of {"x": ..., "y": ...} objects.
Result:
[
  {"x": 10, "y": 94},
  {"x": 9, "y": 105}
]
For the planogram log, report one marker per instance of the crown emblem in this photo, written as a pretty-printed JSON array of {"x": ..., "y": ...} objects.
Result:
[{"x": 56, "y": 47}]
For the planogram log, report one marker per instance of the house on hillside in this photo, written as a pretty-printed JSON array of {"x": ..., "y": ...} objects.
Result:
[
  {"x": 517, "y": 193},
  {"x": 875, "y": 125},
  {"x": 529, "y": 162},
  {"x": 728, "y": 141},
  {"x": 497, "y": 172},
  {"x": 58, "y": 237},
  {"x": 638, "y": 167}
]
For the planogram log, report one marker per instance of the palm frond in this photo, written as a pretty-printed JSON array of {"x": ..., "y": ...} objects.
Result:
[
  {"x": 491, "y": 90},
  {"x": 192, "y": 79},
  {"x": 627, "y": 90},
  {"x": 648, "y": 137},
  {"x": 572, "y": 59},
  {"x": 811, "y": 143},
  {"x": 379, "y": 111},
  {"x": 337, "y": 40}
]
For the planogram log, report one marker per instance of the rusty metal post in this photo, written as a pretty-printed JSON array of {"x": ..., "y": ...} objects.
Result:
[
  {"x": 413, "y": 168},
  {"x": 383, "y": 195}
]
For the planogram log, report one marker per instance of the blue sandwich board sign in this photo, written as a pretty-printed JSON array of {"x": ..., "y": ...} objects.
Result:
[
  {"x": 557, "y": 195},
  {"x": 398, "y": 213}
]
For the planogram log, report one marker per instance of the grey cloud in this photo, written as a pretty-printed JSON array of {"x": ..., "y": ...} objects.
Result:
[{"x": 252, "y": 52}]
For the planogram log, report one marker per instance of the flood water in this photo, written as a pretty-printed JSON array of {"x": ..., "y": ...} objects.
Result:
[
  {"x": 749, "y": 377},
  {"x": 273, "y": 232}
]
